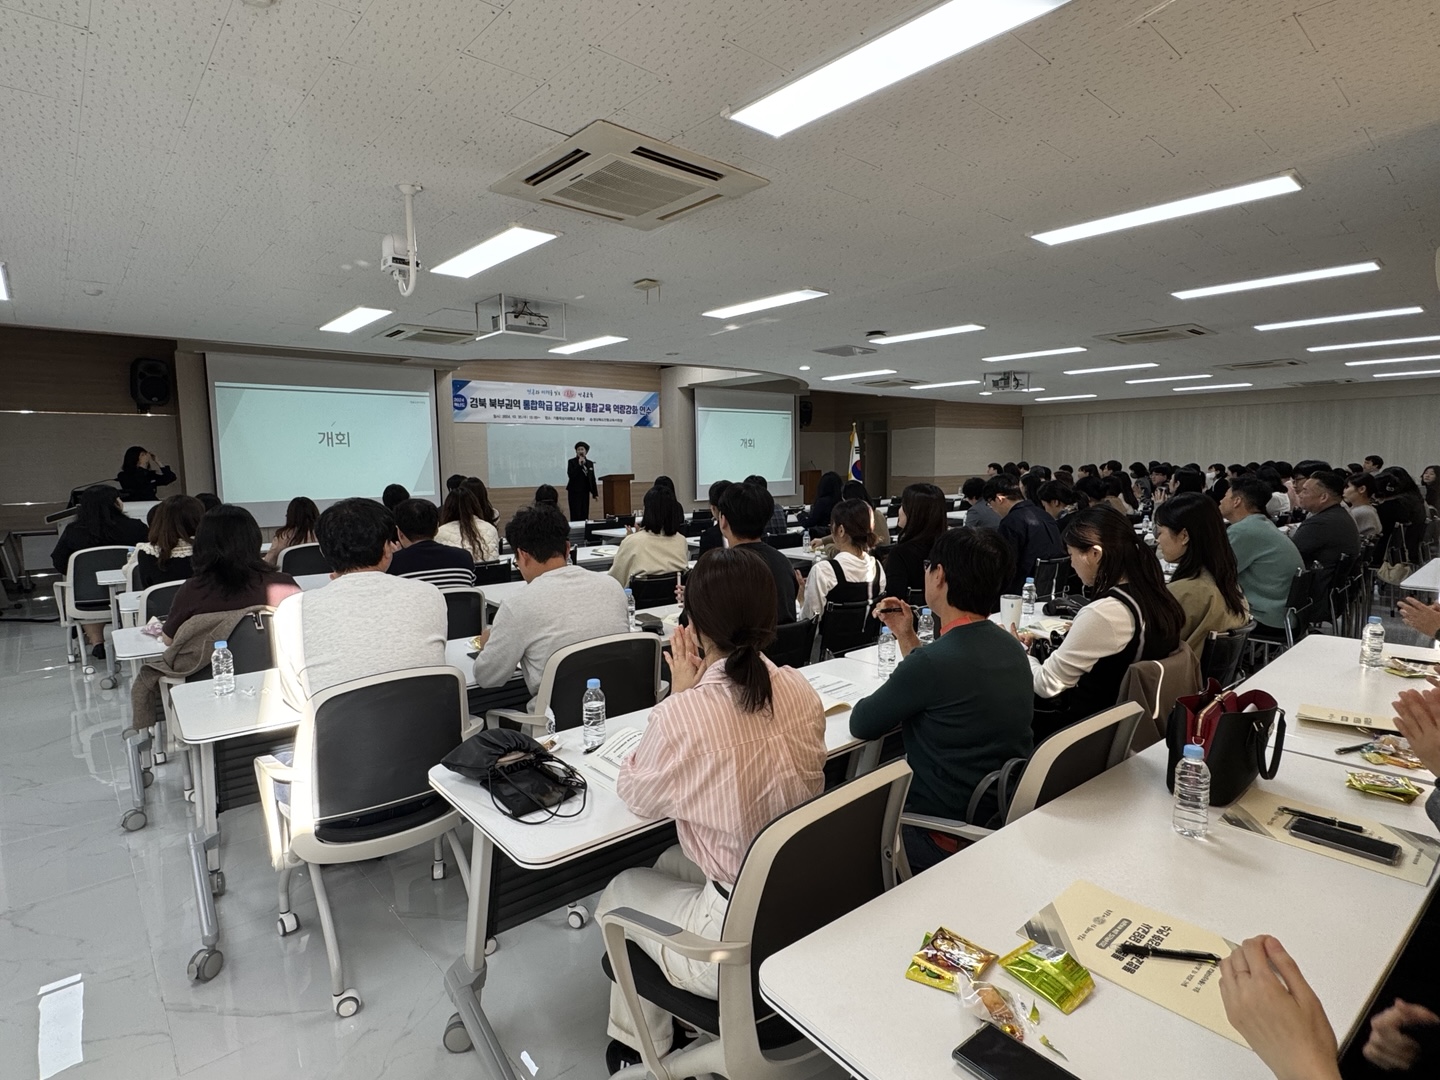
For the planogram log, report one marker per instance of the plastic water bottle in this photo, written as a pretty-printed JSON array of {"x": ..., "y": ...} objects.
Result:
[
  {"x": 549, "y": 723},
  {"x": 1192, "y": 793},
  {"x": 592, "y": 713},
  {"x": 1027, "y": 602},
  {"x": 889, "y": 652},
  {"x": 222, "y": 669},
  {"x": 630, "y": 608},
  {"x": 925, "y": 628},
  {"x": 1372, "y": 643}
]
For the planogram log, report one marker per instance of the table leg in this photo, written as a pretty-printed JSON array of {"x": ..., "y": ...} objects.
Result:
[
  {"x": 466, "y": 976},
  {"x": 205, "y": 794}
]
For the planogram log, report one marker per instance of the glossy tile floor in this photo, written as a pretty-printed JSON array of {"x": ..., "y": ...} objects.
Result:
[{"x": 80, "y": 899}]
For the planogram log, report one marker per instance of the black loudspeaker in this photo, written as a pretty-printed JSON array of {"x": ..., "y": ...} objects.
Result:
[
  {"x": 149, "y": 382},
  {"x": 807, "y": 411}
]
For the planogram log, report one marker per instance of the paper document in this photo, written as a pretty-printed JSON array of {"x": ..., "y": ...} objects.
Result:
[
  {"x": 1321, "y": 714},
  {"x": 606, "y": 761},
  {"x": 1090, "y": 924},
  {"x": 835, "y": 693}
]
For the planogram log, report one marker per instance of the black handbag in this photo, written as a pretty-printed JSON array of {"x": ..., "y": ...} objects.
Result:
[
  {"x": 521, "y": 776},
  {"x": 1234, "y": 739}
]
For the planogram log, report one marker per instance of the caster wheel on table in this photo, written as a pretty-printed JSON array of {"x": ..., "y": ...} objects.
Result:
[
  {"x": 490, "y": 946},
  {"x": 217, "y": 882},
  {"x": 147, "y": 776},
  {"x": 133, "y": 820},
  {"x": 288, "y": 923},
  {"x": 347, "y": 1004},
  {"x": 205, "y": 964},
  {"x": 437, "y": 871},
  {"x": 577, "y": 916},
  {"x": 456, "y": 1038},
  {"x": 109, "y": 682}
]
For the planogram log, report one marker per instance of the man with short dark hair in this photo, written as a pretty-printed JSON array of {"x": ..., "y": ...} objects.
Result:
[
  {"x": 1328, "y": 531},
  {"x": 979, "y": 515},
  {"x": 364, "y": 621},
  {"x": 1160, "y": 476},
  {"x": 993, "y": 469},
  {"x": 1374, "y": 463},
  {"x": 1031, "y": 533},
  {"x": 956, "y": 727},
  {"x": 561, "y": 604},
  {"x": 744, "y": 510},
  {"x": 778, "y": 523},
  {"x": 711, "y": 536},
  {"x": 1266, "y": 559},
  {"x": 420, "y": 557}
]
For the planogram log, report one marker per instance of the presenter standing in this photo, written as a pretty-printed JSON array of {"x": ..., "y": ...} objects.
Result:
[
  {"x": 580, "y": 482},
  {"x": 140, "y": 474}
]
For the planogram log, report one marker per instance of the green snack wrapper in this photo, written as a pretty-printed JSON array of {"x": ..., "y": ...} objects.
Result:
[
  {"x": 1387, "y": 787},
  {"x": 943, "y": 956},
  {"x": 1052, "y": 973}
]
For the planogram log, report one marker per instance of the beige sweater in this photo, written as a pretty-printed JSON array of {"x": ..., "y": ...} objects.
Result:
[
  {"x": 649, "y": 553},
  {"x": 1205, "y": 610}
]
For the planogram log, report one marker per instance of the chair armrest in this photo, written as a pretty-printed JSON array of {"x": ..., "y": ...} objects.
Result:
[
  {"x": 272, "y": 768},
  {"x": 518, "y": 716},
  {"x": 471, "y": 725},
  {"x": 663, "y": 692},
  {"x": 948, "y": 826},
  {"x": 637, "y": 924}
]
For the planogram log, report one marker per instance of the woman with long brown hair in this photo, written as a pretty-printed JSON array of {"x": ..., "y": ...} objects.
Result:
[
  {"x": 1191, "y": 534},
  {"x": 463, "y": 524}
]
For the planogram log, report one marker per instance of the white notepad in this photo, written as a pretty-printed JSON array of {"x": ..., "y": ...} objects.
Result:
[
  {"x": 605, "y": 762},
  {"x": 835, "y": 693},
  {"x": 1320, "y": 714}
]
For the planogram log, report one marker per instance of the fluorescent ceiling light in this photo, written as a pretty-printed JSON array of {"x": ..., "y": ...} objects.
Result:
[
  {"x": 1067, "y": 397},
  {"x": 1033, "y": 390},
  {"x": 858, "y": 374},
  {"x": 515, "y": 240},
  {"x": 591, "y": 343},
  {"x": 1279, "y": 279},
  {"x": 1283, "y": 184},
  {"x": 1165, "y": 378},
  {"x": 1032, "y": 355},
  {"x": 1374, "y": 344},
  {"x": 1217, "y": 386},
  {"x": 944, "y": 331},
  {"x": 764, "y": 303},
  {"x": 1391, "y": 360},
  {"x": 1401, "y": 374},
  {"x": 1102, "y": 370},
  {"x": 804, "y": 367},
  {"x": 923, "y": 42},
  {"x": 1387, "y": 314},
  {"x": 942, "y": 385},
  {"x": 4, "y": 283},
  {"x": 355, "y": 319}
]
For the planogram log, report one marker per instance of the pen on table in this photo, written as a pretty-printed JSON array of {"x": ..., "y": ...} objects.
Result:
[
  {"x": 591, "y": 749},
  {"x": 1352, "y": 749},
  {"x": 1322, "y": 819},
  {"x": 1128, "y": 949}
]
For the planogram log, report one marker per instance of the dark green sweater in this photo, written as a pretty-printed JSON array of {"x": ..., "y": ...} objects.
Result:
[{"x": 963, "y": 704}]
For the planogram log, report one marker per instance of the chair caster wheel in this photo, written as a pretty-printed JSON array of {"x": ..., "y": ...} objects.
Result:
[
  {"x": 577, "y": 916},
  {"x": 217, "y": 882},
  {"x": 205, "y": 964},
  {"x": 347, "y": 1004},
  {"x": 133, "y": 820},
  {"x": 109, "y": 682},
  {"x": 288, "y": 923},
  {"x": 147, "y": 776},
  {"x": 490, "y": 946},
  {"x": 72, "y": 659},
  {"x": 161, "y": 757},
  {"x": 189, "y": 794},
  {"x": 456, "y": 1038},
  {"x": 437, "y": 871},
  {"x": 89, "y": 669}
]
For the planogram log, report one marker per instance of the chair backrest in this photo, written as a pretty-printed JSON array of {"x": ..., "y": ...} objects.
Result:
[
  {"x": 251, "y": 643},
  {"x": 655, "y": 590},
  {"x": 156, "y": 600},
  {"x": 1220, "y": 656},
  {"x": 847, "y": 626},
  {"x": 627, "y": 665},
  {"x": 1154, "y": 685},
  {"x": 785, "y": 539},
  {"x": 1052, "y": 577},
  {"x": 370, "y": 744},
  {"x": 303, "y": 559},
  {"x": 85, "y": 564},
  {"x": 793, "y": 644},
  {"x": 1302, "y": 592},
  {"x": 494, "y": 573},
  {"x": 464, "y": 613},
  {"x": 1074, "y": 755},
  {"x": 807, "y": 868}
]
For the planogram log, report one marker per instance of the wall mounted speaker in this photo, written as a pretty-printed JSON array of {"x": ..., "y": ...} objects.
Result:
[
  {"x": 807, "y": 412},
  {"x": 149, "y": 382}
]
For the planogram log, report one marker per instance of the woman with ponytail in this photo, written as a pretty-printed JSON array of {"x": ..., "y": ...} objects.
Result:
[{"x": 736, "y": 744}]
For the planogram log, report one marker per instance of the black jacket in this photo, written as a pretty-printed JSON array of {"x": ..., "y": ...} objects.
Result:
[
  {"x": 580, "y": 476},
  {"x": 138, "y": 485},
  {"x": 126, "y": 531},
  {"x": 1032, "y": 534}
]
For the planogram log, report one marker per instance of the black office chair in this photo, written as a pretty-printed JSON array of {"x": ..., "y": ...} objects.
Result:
[
  {"x": 1053, "y": 577},
  {"x": 627, "y": 665},
  {"x": 303, "y": 559},
  {"x": 464, "y": 613},
  {"x": 785, "y": 540},
  {"x": 81, "y": 600},
  {"x": 494, "y": 573},
  {"x": 793, "y": 644},
  {"x": 1268, "y": 642},
  {"x": 1220, "y": 657},
  {"x": 156, "y": 600},
  {"x": 703, "y": 516},
  {"x": 845, "y": 627},
  {"x": 592, "y": 527},
  {"x": 655, "y": 590}
]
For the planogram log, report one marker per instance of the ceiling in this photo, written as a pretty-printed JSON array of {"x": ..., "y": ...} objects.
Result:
[{"x": 214, "y": 171}]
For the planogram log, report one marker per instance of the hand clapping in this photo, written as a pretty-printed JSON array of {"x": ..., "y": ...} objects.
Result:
[{"x": 686, "y": 663}]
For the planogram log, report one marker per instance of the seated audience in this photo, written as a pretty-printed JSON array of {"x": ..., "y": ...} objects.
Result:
[
  {"x": 852, "y": 532},
  {"x": 1266, "y": 561},
  {"x": 1190, "y": 533},
  {"x": 656, "y": 545},
  {"x": 208, "y": 501},
  {"x": 664, "y": 481},
  {"x": 854, "y": 489},
  {"x": 301, "y": 516},
  {"x": 827, "y": 494},
  {"x": 957, "y": 728},
  {"x": 1374, "y": 463},
  {"x": 1216, "y": 483},
  {"x": 1187, "y": 480},
  {"x": 1120, "y": 494},
  {"x": 1089, "y": 472},
  {"x": 1160, "y": 474},
  {"x": 993, "y": 469},
  {"x": 99, "y": 522},
  {"x": 561, "y": 605},
  {"x": 979, "y": 515},
  {"x": 1430, "y": 481},
  {"x": 1401, "y": 509},
  {"x": 165, "y": 554},
  {"x": 419, "y": 555},
  {"x": 1359, "y": 497},
  {"x": 711, "y": 537},
  {"x": 229, "y": 572},
  {"x": 1132, "y": 617},
  {"x": 921, "y": 521},
  {"x": 393, "y": 496},
  {"x": 546, "y": 493},
  {"x": 1059, "y": 499},
  {"x": 1278, "y": 501},
  {"x": 742, "y": 516},
  {"x": 1031, "y": 533},
  {"x": 463, "y": 524},
  {"x": 365, "y": 621},
  {"x": 736, "y": 744},
  {"x": 1328, "y": 531},
  {"x": 779, "y": 520}
]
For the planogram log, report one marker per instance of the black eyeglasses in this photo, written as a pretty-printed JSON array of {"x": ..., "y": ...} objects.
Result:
[{"x": 927, "y": 564}]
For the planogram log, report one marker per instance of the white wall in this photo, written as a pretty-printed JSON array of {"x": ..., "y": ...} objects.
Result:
[{"x": 966, "y": 451}]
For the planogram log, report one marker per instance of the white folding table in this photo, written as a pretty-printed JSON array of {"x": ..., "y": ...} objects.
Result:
[{"x": 1425, "y": 579}]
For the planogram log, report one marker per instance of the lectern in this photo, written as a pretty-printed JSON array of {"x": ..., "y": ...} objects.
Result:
[{"x": 615, "y": 491}]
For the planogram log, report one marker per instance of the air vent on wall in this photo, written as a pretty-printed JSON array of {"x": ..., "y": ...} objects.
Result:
[
  {"x": 1154, "y": 334},
  {"x": 1262, "y": 365},
  {"x": 847, "y": 350},
  {"x": 622, "y": 176},
  {"x": 425, "y": 335}
]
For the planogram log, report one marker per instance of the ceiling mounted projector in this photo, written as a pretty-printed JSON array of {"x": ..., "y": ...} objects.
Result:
[{"x": 1003, "y": 382}]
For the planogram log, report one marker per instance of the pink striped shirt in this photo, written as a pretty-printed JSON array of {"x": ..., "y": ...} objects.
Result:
[{"x": 724, "y": 774}]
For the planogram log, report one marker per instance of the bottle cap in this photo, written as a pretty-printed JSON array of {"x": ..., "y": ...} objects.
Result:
[
  {"x": 1194, "y": 750},
  {"x": 885, "y": 631},
  {"x": 592, "y": 684},
  {"x": 221, "y": 644},
  {"x": 629, "y": 592},
  {"x": 1029, "y": 581},
  {"x": 924, "y": 611},
  {"x": 1374, "y": 619}
]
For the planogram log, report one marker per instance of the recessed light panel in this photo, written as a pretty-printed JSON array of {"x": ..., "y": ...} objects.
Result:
[
  {"x": 515, "y": 240},
  {"x": 1392, "y": 360},
  {"x": 1166, "y": 378},
  {"x": 1032, "y": 355},
  {"x": 4, "y": 283},
  {"x": 764, "y": 304},
  {"x": 1389, "y": 313},
  {"x": 1403, "y": 374},
  {"x": 919, "y": 335},
  {"x": 354, "y": 319},
  {"x": 1278, "y": 279},
  {"x": 1067, "y": 397},
  {"x": 858, "y": 375},
  {"x": 1215, "y": 386},
  {"x": 592, "y": 343},
  {"x": 1103, "y": 370},
  {"x": 942, "y": 385},
  {"x": 1374, "y": 344}
]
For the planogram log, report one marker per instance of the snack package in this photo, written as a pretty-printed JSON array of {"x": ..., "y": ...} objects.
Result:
[
  {"x": 1052, "y": 973},
  {"x": 993, "y": 1005},
  {"x": 945, "y": 954},
  {"x": 1392, "y": 750},
  {"x": 1387, "y": 787}
]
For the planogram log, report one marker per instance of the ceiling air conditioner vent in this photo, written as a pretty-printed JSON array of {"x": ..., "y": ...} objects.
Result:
[
  {"x": 622, "y": 176},
  {"x": 847, "y": 350},
  {"x": 887, "y": 384},
  {"x": 1262, "y": 365},
  {"x": 1325, "y": 382},
  {"x": 1155, "y": 334},
  {"x": 425, "y": 335}
]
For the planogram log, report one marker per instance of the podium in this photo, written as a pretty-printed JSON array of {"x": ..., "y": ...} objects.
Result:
[
  {"x": 809, "y": 484},
  {"x": 615, "y": 493}
]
